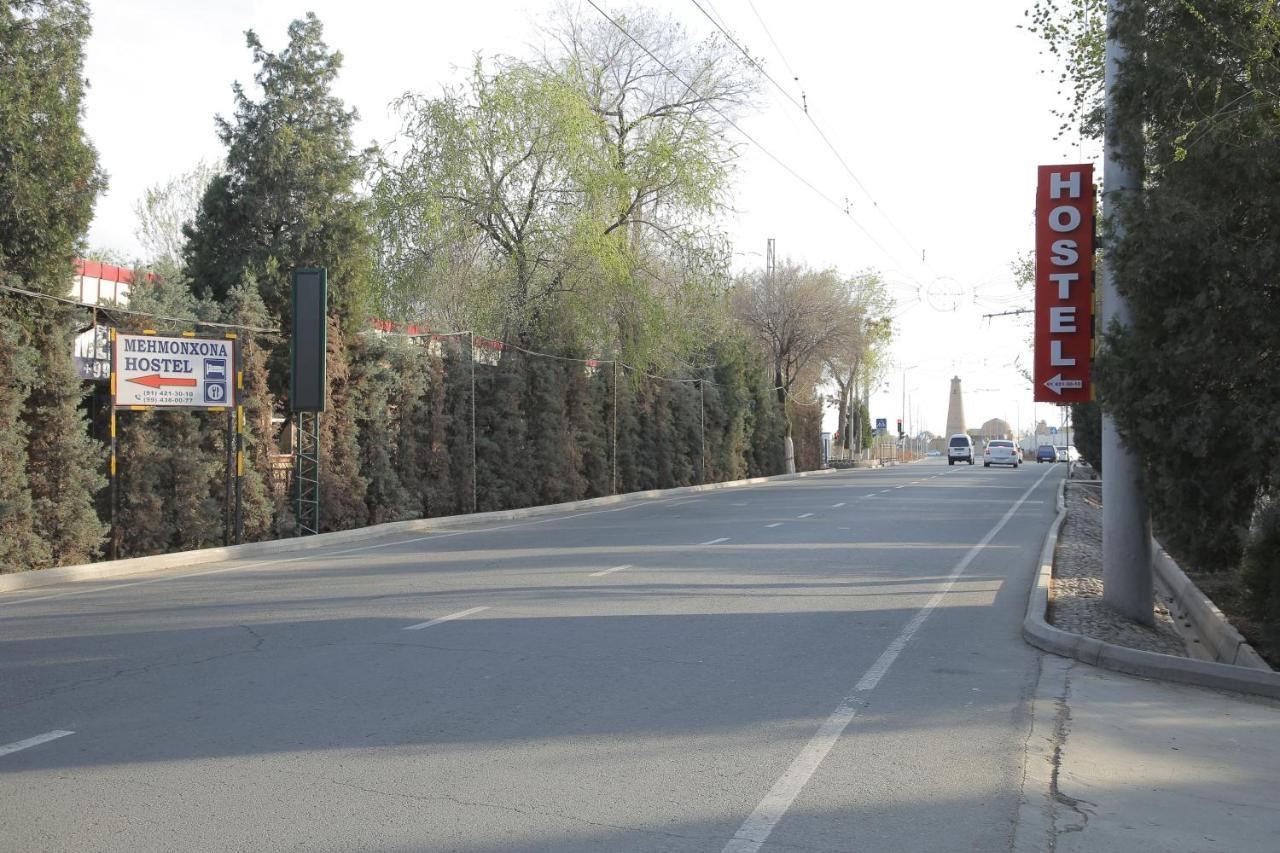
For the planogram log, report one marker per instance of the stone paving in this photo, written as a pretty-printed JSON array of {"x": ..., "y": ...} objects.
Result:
[{"x": 1075, "y": 602}]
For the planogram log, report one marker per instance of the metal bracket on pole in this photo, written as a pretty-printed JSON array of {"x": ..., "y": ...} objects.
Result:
[{"x": 307, "y": 474}]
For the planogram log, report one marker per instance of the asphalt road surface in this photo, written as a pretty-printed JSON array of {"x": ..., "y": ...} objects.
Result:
[{"x": 832, "y": 663}]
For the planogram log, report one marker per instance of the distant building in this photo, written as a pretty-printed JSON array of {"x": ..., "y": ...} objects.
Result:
[
  {"x": 996, "y": 428},
  {"x": 97, "y": 283}
]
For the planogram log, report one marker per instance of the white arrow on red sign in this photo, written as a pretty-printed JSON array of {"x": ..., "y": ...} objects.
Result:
[{"x": 1057, "y": 383}]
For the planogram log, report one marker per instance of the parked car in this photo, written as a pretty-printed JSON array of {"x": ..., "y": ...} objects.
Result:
[
  {"x": 1073, "y": 455},
  {"x": 1046, "y": 453},
  {"x": 959, "y": 449},
  {"x": 934, "y": 453},
  {"x": 1001, "y": 452}
]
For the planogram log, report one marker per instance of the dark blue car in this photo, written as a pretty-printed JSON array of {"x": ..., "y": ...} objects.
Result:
[{"x": 1046, "y": 453}]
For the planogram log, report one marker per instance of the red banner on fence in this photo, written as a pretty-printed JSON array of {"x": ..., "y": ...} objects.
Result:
[{"x": 1064, "y": 284}]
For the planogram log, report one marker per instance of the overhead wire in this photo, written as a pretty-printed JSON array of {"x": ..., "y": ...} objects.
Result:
[
  {"x": 775, "y": 158},
  {"x": 112, "y": 309},
  {"x": 804, "y": 107}
]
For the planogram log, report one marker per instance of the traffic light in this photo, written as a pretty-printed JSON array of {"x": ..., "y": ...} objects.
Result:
[{"x": 899, "y": 427}]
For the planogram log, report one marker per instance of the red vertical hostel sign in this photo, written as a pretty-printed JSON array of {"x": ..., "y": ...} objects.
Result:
[{"x": 1064, "y": 284}]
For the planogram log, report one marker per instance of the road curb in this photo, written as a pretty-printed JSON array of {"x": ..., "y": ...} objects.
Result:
[
  {"x": 1042, "y": 635},
  {"x": 181, "y": 559}
]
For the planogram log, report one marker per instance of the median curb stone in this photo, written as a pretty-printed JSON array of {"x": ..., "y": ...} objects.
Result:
[
  {"x": 1223, "y": 676},
  {"x": 141, "y": 565}
]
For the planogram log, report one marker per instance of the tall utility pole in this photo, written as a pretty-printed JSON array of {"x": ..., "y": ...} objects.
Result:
[{"x": 1126, "y": 524}]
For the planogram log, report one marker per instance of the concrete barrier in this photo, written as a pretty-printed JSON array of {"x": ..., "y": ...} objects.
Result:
[
  {"x": 1039, "y": 633},
  {"x": 181, "y": 559}
]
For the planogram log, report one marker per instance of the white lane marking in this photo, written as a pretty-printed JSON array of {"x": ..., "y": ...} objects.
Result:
[
  {"x": 744, "y": 503},
  {"x": 18, "y": 746},
  {"x": 775, "y": 524},
  {"x": 756, "y": 829},
  {"x": 715, "y": 541},
  {"x": 459, "y": 615},
  {"x": 805, "y": 515},
  {"x": 837, "y": 506},
  {"x": 610, "y": 571},
  {"x": 903, "y": 486}
]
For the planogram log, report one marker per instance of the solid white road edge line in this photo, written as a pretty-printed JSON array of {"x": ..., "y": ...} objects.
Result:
[
  {"x": 610, "y": 571},
  {"x": 755, "y": 830},
  {"x": 460, "y": 614},
  {"x": 18, "y": 746}
]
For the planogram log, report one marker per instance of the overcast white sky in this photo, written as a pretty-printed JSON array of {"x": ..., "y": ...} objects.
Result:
[{"x": 940, "y": 109}]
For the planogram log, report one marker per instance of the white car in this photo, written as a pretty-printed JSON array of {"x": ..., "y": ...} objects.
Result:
[
  {"x": 959, "y": 449},
  {"x": 1001, "y": 452}
]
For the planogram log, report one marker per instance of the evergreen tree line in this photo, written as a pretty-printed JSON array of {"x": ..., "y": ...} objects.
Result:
[
  {"x": 1191, "y": 381},
  {"x": 546, "y": 430}
]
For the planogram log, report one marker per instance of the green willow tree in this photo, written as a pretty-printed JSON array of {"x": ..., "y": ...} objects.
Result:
[
  {"x": 49, "y": 178},
  {"x": 570, "y": 199}
]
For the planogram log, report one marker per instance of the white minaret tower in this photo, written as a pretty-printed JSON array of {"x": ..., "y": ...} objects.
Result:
[{"x": 955, "y": 409}]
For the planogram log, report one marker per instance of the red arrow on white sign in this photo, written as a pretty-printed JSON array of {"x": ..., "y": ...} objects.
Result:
[{"x": 155, "y": 380}]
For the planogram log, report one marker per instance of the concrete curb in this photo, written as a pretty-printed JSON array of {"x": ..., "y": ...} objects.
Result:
[
  {"x": 1220, "y": 636},
  {"x": 159, "y": 562},
  {"x": 1042, "y": 635}
]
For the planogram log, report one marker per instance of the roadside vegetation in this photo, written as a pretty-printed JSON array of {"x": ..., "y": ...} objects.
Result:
[
  {"x": 531, "y": 296},
  {"x": 1192, "y": 383}
]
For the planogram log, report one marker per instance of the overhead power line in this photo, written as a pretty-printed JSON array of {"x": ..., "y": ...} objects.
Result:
[
  {"x": 775, "y": 158},
  {"x": 803, "y": 106}
]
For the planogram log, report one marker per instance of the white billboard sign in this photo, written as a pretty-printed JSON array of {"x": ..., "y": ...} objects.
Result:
[{"x": 153, "y": 370}]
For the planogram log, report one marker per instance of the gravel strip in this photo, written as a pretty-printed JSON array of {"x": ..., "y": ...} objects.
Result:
[{"x": 1075, "y": 600}]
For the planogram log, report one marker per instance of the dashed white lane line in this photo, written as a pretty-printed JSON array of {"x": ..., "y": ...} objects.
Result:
[
  {"x": 757, "y": 828},
  {"x": 903, "y": 486},
  {"x": 459, "y": 615},
  {"x": 805, "y": 515},
  {"x": 837, "y": 506},
  {"x": 715, "y": 541},
  {"x": 775, "y": 524},
  {"x": 19, "y": 745},
  {"x": 610, "y": 571}
]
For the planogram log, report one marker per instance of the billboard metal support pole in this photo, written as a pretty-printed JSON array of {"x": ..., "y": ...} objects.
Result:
[
  {"x": 1126, "y": 524},
  {"x": 229, "y": 489},
  {"x": 308, "y": 473},
  {"x": 614, "y": 427},
  {"x": 114, "y": 547},
  {"x": 475, "y": 479},
  {"x": 702, "y": 416},
  {"x": 238, "y": 532}
]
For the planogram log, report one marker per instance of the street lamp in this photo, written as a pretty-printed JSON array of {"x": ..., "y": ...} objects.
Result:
[{"x": 904, "y": 400}]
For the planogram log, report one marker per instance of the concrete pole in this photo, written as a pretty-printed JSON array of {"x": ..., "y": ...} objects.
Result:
[{"x": 1126, "y": 524}]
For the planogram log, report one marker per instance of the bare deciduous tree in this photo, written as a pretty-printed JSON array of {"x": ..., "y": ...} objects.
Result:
[
  {"x": 164, "y": 208},
  {"x": 800, "y": 317}
]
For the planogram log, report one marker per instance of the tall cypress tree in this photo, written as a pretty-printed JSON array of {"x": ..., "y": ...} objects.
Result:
[
  {"x": 49, "y": 178},
  {"x": 289, "y": 199}
]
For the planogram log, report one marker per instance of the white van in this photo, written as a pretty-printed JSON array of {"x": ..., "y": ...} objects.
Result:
[{"x": 959, "y": 449}]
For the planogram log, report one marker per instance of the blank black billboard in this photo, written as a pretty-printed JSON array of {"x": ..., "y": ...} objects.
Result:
[{"x": 310, "y": 299}]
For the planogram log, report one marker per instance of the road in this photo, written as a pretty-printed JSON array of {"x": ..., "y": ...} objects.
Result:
[{"x": 833, "y": 663}]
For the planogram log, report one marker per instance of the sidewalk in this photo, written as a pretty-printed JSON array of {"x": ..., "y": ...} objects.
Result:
[{"x": 1117, "y": 763}]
